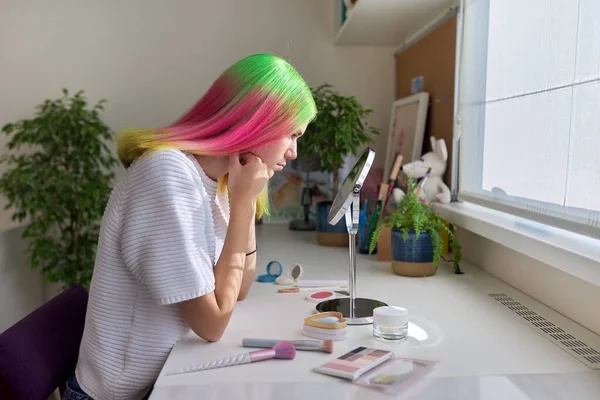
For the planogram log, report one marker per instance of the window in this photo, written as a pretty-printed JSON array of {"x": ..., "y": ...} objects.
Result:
[{"x": 528, "y": 116}]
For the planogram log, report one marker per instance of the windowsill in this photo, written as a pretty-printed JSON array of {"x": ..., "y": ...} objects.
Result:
[{"x": 569, "y": 252}]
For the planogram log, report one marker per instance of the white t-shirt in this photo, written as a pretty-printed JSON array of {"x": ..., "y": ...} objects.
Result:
[{"x": 162, "y": 233}]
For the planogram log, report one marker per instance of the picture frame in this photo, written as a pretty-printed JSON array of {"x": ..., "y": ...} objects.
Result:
[{"x": 407, "y": 129}]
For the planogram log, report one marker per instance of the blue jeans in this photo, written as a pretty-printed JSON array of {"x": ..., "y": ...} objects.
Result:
[{"x": 73, "y": 391}]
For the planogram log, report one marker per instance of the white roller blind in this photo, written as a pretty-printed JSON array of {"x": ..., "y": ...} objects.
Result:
[{"x": 529, "y": 109}]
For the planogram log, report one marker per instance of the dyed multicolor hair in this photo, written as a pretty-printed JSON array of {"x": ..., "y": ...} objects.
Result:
[{"x": 253, "y": 103}]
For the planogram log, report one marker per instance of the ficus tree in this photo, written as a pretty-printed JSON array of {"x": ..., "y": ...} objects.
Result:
[{"x": 59, "y": 173}]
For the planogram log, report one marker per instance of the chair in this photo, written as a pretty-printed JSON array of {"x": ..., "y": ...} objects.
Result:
[{"x": 39, "y": 353}]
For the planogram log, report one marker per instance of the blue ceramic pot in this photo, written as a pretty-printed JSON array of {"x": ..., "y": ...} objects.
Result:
[
  {"x": 412, "y": 250},
  {"x": 322, "y": 225}
]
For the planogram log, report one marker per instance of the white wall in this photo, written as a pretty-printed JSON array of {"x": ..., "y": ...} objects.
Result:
[
  {"x": 21, "y": 288},
  {"x": 572, "y": 297},
  {"x": 152, "y": 59}
]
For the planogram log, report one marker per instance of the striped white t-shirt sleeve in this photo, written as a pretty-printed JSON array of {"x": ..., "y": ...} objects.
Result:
[{"x": 163, "y": 238}]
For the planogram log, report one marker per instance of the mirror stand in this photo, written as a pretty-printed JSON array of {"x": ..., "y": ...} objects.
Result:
[{"x": 356, "y": 311}]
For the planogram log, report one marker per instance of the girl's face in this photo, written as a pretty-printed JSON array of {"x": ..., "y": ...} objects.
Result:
[{"x": 276, "y": 154}]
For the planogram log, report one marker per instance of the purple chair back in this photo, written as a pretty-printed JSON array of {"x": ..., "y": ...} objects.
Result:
[{"x": 39, "y": 353}]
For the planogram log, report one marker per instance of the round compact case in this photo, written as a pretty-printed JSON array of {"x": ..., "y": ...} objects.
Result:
[
  {"x": 295, "y": 274},
  {"x": 321, "y": 295},
  {"x": 271, "y": 276}
]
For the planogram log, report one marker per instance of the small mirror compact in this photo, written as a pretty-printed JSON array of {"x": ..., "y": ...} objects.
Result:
[{"x": 294, "y": 275}]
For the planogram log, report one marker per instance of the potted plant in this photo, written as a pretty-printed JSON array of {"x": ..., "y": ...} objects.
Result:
[
  {"x": 58, "y": 180},
  {"x": 339, "y": 130},
  {"x": 416, "y": 237}
]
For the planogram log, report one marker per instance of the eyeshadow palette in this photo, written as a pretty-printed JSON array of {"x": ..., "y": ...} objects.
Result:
[{"x": 354, "y": 363}]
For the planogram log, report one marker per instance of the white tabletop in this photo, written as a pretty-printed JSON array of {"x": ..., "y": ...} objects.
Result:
[{"x": 483, "y": 351}]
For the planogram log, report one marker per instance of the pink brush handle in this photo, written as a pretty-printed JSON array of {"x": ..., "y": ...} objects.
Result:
[{"x": 261, "y": 355}]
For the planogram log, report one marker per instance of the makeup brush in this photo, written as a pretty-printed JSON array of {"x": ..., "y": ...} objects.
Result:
[
  {"x": 420, "y": 192},
  {"x": 389, "y": 187},
  {"x": 425, "y": 177},
  {"x": 283, "y": 349},
  {"x": 325, "y": 346},
  {"x": 393, "y": 176},
  {"x": 309, "y": 289}
]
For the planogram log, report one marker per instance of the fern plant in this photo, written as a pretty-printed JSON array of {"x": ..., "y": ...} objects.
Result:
[
  {"x": 411, "y": 215},
  {"x": 59, "y": 185}
]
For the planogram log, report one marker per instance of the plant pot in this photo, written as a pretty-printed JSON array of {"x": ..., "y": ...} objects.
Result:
[
  {"x": 413, "y": 256},
  {"x": 327, "y": 234}
]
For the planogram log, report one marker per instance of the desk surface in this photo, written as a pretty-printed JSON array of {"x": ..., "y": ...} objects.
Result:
[{"x": 482, "y": 349}]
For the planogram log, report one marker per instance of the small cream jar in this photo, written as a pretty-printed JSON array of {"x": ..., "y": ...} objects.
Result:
[{"x": 390, "y": 323}]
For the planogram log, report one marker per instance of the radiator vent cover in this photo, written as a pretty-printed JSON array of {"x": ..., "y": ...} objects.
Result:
[{"x": 578, "y": 349}]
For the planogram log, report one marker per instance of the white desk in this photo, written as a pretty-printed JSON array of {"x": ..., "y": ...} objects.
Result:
[{"x": 484, "y": 351}]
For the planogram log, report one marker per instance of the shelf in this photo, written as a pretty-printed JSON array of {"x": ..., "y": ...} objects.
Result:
[{"x": 390, "y": 22}]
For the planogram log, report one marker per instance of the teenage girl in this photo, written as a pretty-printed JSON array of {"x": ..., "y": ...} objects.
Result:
[{"x": 177, "y": 248}]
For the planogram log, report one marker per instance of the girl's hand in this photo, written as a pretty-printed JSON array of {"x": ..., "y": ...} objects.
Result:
[{"x": 248, "y": 176}]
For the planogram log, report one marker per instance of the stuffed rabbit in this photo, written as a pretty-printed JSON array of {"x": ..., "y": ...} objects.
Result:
[{"x": 434, "y": 187}]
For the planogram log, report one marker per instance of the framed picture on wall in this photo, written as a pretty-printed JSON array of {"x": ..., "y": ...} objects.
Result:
[{"x": 407, "y": 129}]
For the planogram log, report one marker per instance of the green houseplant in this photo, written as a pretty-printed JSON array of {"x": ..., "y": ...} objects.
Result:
[
  {"x": 339, "y": 129},
  {"x": 416, "y": 234},
  {"x": 58, "y": 179}
]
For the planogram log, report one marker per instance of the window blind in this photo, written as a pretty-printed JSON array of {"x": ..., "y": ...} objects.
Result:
[{"x": 528, "y": 116}]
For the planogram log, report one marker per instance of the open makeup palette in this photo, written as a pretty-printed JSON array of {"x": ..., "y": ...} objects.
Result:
[{"x": 327, "y": 325}]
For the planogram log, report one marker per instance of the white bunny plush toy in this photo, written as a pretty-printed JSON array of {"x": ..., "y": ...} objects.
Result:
[{"x": 434, "y": 187}]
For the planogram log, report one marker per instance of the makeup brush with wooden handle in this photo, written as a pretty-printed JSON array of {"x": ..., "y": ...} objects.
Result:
[
  {"x": 385, "y": 190},
  {"x": 325, "y": 346}
]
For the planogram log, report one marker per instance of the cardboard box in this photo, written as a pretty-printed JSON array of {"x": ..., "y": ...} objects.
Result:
[{"x": 384, "y": 246}]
